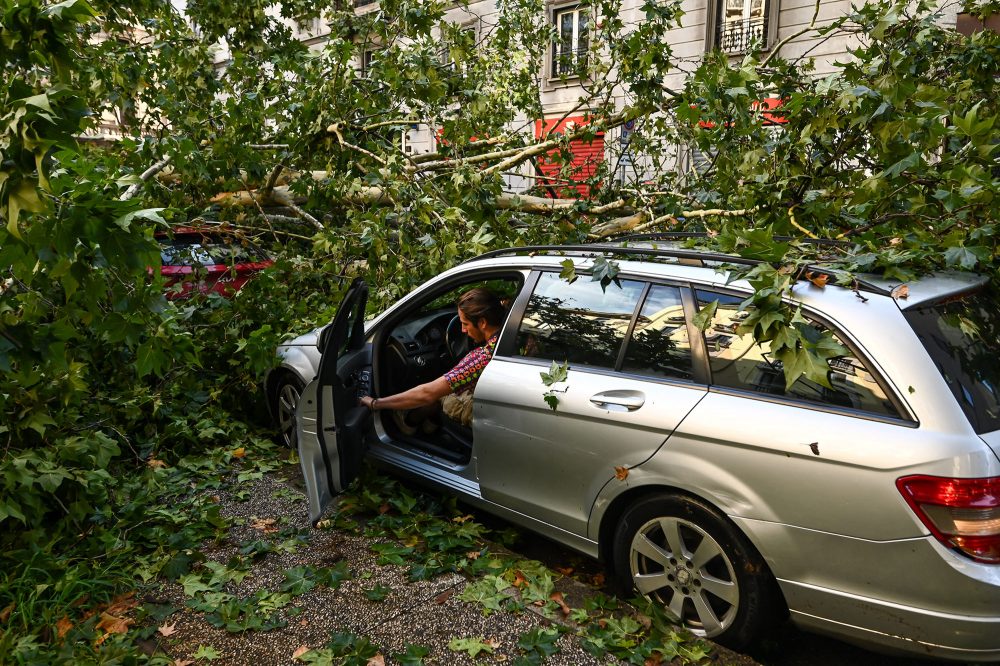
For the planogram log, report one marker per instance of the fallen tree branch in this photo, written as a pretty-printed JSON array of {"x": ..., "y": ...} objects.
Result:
[
  {"x": 642, "y": 221},
  {"x": 144, "y": 176},
  {"x": 334, "y": 129}
]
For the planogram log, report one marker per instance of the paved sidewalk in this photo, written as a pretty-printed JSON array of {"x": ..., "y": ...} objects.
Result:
[{"x": 425, "y": 613}]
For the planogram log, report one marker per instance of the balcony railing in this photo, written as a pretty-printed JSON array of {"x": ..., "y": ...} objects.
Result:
[
  {"x": 736, "y": 36},
  {"x": 569, "y": 62}
]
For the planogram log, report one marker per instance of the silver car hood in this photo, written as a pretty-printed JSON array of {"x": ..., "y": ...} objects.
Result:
[
  {"x": 312, "y": 337},
  {"x": 992, "y": 440}
]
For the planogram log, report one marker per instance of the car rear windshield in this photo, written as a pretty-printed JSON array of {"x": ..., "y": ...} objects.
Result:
[
  {"x": 192, "y": 250},
  {"x": 963, "y": 338}
]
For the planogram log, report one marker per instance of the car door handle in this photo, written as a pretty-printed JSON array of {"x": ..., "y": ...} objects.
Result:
[{"x": 618, "y": 401}]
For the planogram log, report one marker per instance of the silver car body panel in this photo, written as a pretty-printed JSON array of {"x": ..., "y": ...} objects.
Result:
[{"x": 992, "y": 440}]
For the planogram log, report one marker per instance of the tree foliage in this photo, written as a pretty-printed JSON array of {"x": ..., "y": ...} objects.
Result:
[{"x": 894, "y": 154}]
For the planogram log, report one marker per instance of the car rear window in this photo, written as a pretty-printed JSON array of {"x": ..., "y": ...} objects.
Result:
[
  {"x": 207, "y": 251},
  {"x": 963, "y": 339},
  {"x": 738, "y": 361}
]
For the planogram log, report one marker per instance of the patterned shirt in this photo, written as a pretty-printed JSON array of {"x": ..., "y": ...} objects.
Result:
[{"x": 463, "y": 377}]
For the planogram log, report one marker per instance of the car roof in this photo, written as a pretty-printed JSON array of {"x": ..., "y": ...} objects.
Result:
[{"x": 919, "y": 291}]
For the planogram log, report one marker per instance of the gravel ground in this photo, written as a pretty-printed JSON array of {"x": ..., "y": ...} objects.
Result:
[{"x": 426, "y": 613}]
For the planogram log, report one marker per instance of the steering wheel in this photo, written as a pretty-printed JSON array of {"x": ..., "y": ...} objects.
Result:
[{"x": 455, "y": 340}]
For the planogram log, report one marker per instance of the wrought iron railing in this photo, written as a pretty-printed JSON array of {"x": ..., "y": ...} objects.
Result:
[
  {"x": 569, "y": 62},
  {"x": 736, "y": 36}
]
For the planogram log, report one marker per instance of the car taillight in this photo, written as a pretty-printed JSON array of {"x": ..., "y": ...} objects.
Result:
[{"x": 963, "y": 514}]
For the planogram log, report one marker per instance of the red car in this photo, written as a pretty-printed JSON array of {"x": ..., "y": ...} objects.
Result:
[{"x": 207, "y": 260}]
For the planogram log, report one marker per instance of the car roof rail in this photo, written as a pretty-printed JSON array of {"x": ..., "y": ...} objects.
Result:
[{"x": 684, "y": 256}]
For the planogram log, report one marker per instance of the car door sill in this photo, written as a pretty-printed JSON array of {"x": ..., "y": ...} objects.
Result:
[
  {"x": 425, "y": 468},
  {"x": 427, "y": 465}
]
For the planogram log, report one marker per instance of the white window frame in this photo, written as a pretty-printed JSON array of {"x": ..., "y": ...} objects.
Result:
[
  {"x": 715, "y": 25},
  {"x": 559, "y": 61}
]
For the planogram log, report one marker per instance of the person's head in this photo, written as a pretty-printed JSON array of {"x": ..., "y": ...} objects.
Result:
[{"x": 481, "y": 313}]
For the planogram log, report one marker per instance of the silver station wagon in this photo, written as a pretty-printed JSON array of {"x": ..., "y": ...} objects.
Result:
[{"x": 867, "y": 509}]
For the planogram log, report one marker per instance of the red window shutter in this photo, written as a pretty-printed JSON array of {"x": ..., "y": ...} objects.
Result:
[{"x": 587, "y": 156}]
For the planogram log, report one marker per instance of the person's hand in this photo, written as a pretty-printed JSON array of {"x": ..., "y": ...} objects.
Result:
[{"x": 368, "y": 401}]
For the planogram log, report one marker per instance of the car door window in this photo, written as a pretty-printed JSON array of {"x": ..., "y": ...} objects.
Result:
[
  {"x": 738, "y": 361},
  {"x": 581, "y": 323},
  {"x": 659, "y": 344}
]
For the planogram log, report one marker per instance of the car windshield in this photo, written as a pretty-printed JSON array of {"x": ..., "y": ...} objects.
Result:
[
  {"x": 963, "y": 338},
  {"x": 206, "y": 251}
]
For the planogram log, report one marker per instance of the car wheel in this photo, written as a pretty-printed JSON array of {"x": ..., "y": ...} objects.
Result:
[
  {"x": 683, "y": 554},
  {"x": 286, "y": 399}
]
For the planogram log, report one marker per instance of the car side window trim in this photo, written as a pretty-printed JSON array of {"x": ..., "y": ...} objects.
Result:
[
  {"x": 813, "y": 406},
  {"x": 906, "y": 414},
  {"x": 608, "y": 372},
  {"x": 507, "y": 344},
  {"x": 620, "y": 361}
]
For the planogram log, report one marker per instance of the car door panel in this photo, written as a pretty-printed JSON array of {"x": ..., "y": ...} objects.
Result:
[
  {"x": 330, "y": 423},
  {"x": 552, "y": 464}
]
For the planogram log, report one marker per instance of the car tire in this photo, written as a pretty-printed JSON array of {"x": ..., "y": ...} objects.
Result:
[
  {"x": 284, "y": 401},
  {"x": 682, "y": 553}
]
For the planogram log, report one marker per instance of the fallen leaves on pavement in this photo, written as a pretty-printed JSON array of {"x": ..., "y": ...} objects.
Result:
[
  {"x": 265, "y": 525},
  {"x": 563, "y": 606},
  {"x": 168, "y": 629}
]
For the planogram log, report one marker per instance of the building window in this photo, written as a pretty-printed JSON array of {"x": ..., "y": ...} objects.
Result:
[
  {"x": 569, "y": 52},
  {"x": 367, "y": 59},
  {"x": 738, "y": 24}
]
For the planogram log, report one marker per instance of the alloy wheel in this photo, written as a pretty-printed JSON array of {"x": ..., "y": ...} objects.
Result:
[
  {"x": 678, "y": 564},
  {"x": 287, "y": 402}
]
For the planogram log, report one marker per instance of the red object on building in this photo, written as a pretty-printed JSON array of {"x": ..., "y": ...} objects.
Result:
[
  {"x": 587, "y": 156},
  {"x": 769, "y": 108}
]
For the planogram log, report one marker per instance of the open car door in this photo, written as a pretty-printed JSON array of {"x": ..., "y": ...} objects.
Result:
[{"x": 330, "y": 422}]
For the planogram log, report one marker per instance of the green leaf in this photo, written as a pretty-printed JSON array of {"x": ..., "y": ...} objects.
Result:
[
  {"x": 299, "y": 580},
  {"x": 412, "y": 655},
  {"x": 377, "y": 593},
  {"x": 149, "y": 214},
  {"x": 206, "y": 652},
  {"x": 471, "y": 646},
  {"x": 568, "y": 271},
  {"x": 558, "y": 372},
  {"x": 540, "y": 640},
  {"x": 703, "y": 318},
  {"x": 961, "y": 256},
  {"x": 604, "y": 270},
  {"x": 489, "y": 592}
]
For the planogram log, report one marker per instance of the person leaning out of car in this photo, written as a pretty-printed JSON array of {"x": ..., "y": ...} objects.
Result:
[{"x": 481, "y": 313}]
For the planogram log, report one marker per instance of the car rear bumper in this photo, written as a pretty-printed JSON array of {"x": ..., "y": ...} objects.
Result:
[
  {"x": 893, "y": 628},
  {"x": 906, "y": 595}
]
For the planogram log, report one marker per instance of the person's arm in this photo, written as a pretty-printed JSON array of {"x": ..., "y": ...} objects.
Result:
[{"x": 418, "y": 396}]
